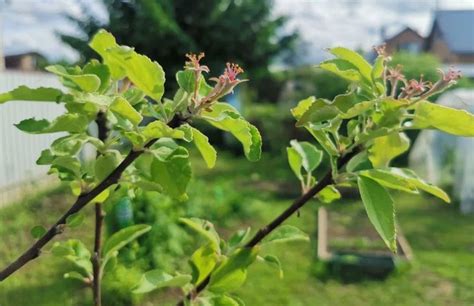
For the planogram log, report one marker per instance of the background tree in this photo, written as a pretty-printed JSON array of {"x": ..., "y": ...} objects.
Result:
[{"x": 241, "y": 31}]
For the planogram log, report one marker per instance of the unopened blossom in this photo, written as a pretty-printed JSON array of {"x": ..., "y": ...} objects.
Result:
[
  {"x": 394, "y": 76},
  {"x": 451, "y": 76},
  {"x": 381, "y": 50},
  {"x": 445, "y": 81},
  {"x": 194, "y": 62},
  {"x": 414, "y": 88},
  {"x": 225, "y": 83}
]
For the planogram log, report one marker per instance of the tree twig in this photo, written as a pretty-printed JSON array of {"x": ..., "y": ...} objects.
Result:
[
  {"x": 294, "y": 207},
  {"x": 103, "y": 133},
  {"x": 35, "y": 250},
  {"x": 96, "y": 259}
]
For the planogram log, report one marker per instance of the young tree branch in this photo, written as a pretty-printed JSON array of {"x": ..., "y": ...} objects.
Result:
[
  {"x": 35, "y": 250},
  {"x": 102, "y": 134},
  {"x": 294, "y": 207},
  {"x": 96, "y": 259}
]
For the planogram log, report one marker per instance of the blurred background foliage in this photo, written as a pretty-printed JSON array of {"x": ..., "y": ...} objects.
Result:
[{"x": 239, "y": 31}]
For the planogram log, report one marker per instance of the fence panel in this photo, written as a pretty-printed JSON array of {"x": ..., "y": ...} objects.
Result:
[{"x": 18, "y": 150}]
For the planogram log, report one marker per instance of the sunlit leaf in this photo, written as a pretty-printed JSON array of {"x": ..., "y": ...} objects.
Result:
[
  {"x": 449, "y": 120},
  {"x": 205, "y": 229},
  {"x": 223, "y": 116},
  {"x": 123, "y": 237},
  {"x": 203, "y": 262},
  {"x": 72, "y": 123},
  {"x": 207, "y": 151},
  {"x": 84, "y": 82},
  {"x": 380, "y": 209},
  {"x": 232, "y": 272},
  {"x": 123, "y": 108},
  {"x": 286, "y": 233},
  {"x": 24, "y": 93},
  {"x": 386, "y": 148},
  {"x": 155, "y": 279}
]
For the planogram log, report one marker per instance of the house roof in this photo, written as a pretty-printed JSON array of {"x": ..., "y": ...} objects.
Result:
[
  {"x": 457, "y": 29},
  {"x": 405, "y": 29}
]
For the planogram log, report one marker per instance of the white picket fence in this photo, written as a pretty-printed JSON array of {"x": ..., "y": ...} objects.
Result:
[{"x": 19, "y": 174}]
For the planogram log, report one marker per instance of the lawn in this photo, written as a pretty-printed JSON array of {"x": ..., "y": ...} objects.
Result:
[{"x": 442, "y": 241}]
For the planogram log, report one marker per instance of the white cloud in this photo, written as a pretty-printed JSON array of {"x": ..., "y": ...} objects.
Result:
[
  {"x": 358, "y": 24},
  {"x": 31, "y": 25}
]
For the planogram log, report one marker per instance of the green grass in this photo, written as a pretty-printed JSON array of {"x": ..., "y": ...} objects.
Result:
[{"x": 442, "y": 241}]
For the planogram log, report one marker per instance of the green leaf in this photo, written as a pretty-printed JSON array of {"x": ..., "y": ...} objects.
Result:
[
  {"x": 75, "y": 220},
  {"x": 72, "y": 123},
  {"x": 386, "y": 148},
  {"x": 341, "y": 68},
  {"x": 238, "y": 238},
  {"x": 123, "y": 237},
  {"x": 389, "y": 179},
  {"x": 359, "y": 162},
  {"x": 405, "y": 180},
  {"x": 378, "y": 68},
  {"x": 422, "y": 185},
  {"x": 355, "y": 59},
  {"x": 105, "y": 164},
  {"x": 358, "y": 109},
  {"x": 320, "y": 110},
  {"x": 101, "y": 42},
  {"x": 155, "y": 279},
  {"x": 101, "y": 71},
  {"x": 380, "y": 209},
  {"x": 144, "y": 73},
  {"x": 323, "y": 139},
  {"x": 232, "y": 272},
  {"x": 345, "y": 102},
  {"x": 84, "y": 82},
  {"x": 38, "y": 231},
  {"x": 134, "y": 95},
  {"x": 302, "y": 107},
  {"x": 295, "y": 161},
  {"x": 205, "y": 229},
  {"x": 203, "y": 262},
  {"x": 76, "y": 252},
  {"x": 310, "y": 156},
  {"x": 75, "y": 275},
  {"x": 121, "y": 107},
  {"x": 328, "y": 194},
  {"x": 286, "y": 233},
  {"x": 224, "y": 300},
  {"x": 172, "y": 172},
  {"x": 207, "y": 151},
  {"x": 186, "y": 80},
  {"x": 23, "y": 93},
  {"x": 449, "y": 120},
  {"x": 159, "y": 129},
  {"x": 274, "y": 262},
  {"x": 223, "y": 116}
]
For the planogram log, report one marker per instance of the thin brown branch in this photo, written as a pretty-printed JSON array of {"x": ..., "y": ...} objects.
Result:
[
  {"x": 96, "y": 259},
  {"x": 294, "y": 207},
  {"x": 103, "y": 133},
  {"x": 35, "y": 250}
]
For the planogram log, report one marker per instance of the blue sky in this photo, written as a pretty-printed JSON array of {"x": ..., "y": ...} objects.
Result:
[{"x": 31, "y": 25}]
